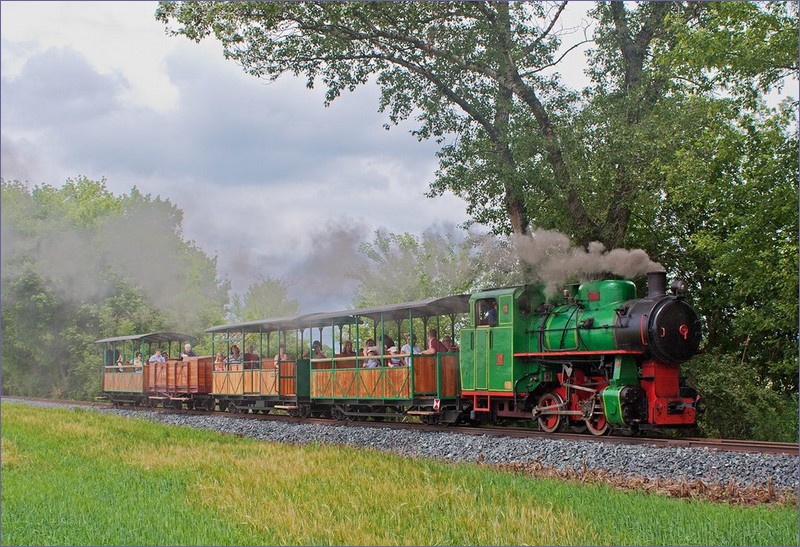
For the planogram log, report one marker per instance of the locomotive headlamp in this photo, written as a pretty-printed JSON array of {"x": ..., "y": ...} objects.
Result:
[{"x": 678, "y": 287}]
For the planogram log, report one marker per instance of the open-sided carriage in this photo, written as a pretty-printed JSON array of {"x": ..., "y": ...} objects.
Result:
[
  {"x": 128, "y": 376},
  {"x": 348, "y": 386},
  {"x": 253, "y": 379}
]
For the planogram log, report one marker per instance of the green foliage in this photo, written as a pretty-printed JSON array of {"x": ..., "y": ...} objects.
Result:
[
  {"x": 746, "y": 48},
  {"x": 739, "y": 404},
  {"x": 731, "y": 208},
  {"x": 79, "y": 264},
  {"x": 442, "y": 262},
  {"x": 267, "y": 298},
  {"x": 403, "y": 268}
]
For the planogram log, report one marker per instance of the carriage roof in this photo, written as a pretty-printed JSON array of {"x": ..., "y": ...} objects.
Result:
[
  {"x": 261, "y": 325},
  {"x": 428, "y": 307},
  {"x": 447, "y": 305},
  {"x": 149, "y": 337}
]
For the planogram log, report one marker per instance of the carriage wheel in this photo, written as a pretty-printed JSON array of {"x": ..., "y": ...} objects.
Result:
[
  {"x": 549, "y": 423},
  {"x": 578, "y": 427},
  {"x": 302, "y": 411},
  {"x": 597, "y": 425},
  {"x": 338, "y": 414}
]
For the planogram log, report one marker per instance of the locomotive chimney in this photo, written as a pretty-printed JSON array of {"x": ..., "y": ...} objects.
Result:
[{"x": 656, "y": 283}]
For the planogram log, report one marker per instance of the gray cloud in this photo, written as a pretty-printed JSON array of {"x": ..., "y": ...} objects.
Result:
[
  {"x": 228, "y": 127},
  {"x": 257, "y": 169},
  {"x": 58, "y": 88}
]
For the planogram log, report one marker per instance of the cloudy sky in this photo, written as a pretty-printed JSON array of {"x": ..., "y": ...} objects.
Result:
[{"x": 264, "y": 173}]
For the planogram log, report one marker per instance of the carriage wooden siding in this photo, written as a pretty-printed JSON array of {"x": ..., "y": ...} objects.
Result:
[
  {"x": 387, "y": 383},
  {"x": 126, "y": 380},
  {"x": 267, "y": 380},
  {"x": 175, "y": 376}
]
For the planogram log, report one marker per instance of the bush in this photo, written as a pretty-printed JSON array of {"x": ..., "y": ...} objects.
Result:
[{"x": 739, "y": 404}]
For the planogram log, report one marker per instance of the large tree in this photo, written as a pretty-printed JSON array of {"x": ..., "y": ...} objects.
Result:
[{"x": 475, "y": 70}]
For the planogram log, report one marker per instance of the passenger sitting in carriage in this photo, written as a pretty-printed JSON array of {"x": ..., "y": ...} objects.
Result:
[
  {"x": 369, "y": 345},
  {"x": 372, "y": 362},
  {"x": 317, "y": 350},
  {"x": 434, "y": 345},
  {"x": 395, "y": 361},
  {"x": 447, "y": 342},
  {"x": 347, "y": 349},
  {"x": 236, "y": 355},
  {"x": 219, "y": 361},
  {"x": 252, "y": 360},
  {"x": 281, "y": 355}
]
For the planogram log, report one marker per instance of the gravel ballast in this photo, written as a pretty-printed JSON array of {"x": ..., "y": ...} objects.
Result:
[{"x": 706, "y": 465}]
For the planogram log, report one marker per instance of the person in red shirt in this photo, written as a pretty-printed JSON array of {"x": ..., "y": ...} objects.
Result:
[{"x": 434, "y": 345}]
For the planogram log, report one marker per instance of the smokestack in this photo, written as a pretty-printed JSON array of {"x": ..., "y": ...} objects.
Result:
[{"x": 656, "y": 283}]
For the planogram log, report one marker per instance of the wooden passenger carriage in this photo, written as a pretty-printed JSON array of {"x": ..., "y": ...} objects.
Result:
[
  {"x": 254, "y": 382},
  {"x": 427, "y": 385},
  {"x": 170, "y": 383}
]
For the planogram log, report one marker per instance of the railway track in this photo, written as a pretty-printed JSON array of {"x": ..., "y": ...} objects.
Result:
[{"x": 735, "y": 445}]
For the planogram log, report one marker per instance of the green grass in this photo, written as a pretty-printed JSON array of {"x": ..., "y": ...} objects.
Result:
[{"x": 73, "y": 477}]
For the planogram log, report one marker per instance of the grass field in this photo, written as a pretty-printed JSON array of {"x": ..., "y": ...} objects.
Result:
[{"x": 77, "y": 477}]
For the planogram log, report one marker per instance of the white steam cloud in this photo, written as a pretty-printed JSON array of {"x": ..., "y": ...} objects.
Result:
[{"x": 555, "y": 260}]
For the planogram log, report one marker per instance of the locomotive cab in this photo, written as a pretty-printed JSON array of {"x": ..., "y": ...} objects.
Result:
[{"x": 493, "y": 380}]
